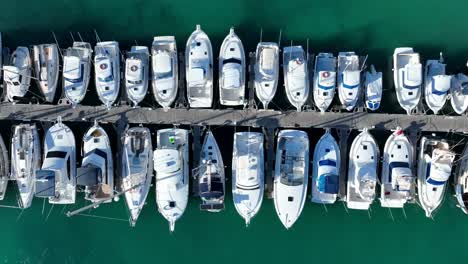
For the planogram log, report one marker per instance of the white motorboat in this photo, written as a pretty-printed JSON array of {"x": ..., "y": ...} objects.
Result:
[
  {"x": 171, "y": 163},
  {"x": 296, "y": 75},
  {"x": 324, "y": 80},
  {"x": 349, "y": 79},
  {"x": 165, "y": 70},
  {"x": 76, "y": 71},
  {"x": 434, "y": 169},
  {"x": 25, "y": 161},
  {"x": 266, "y": 71},
  {"x": 248, "y": 174},
  {"x": 407, "y": 78},
  {"x": 96, "y": 173},
  {"x": 291, "y": 175},
  {"x": 137, "y": 74},
  {"x": 437, "y": 84},
  {"x": 107, "y": 71},
  {"x": 137, "y": 169},
  {"x": 459, "y": 93},
  {"x": 362, "y": 171},
  {"x": 232, "y": 71},
  {"x": 373, "y": 89},
  {"x": 46, "y": 68},
  {"x": 57, "y": 178},
  {"x": 17, "y": 75},
  {"x": 398, "y": 181},
  {"x": 461, "y": 181},
  {"x": 326, "y": 170},
  {"x": 4, "y": 168},
  {"x": 199, "y": 69},
  {"x": 211, "y": 176}
]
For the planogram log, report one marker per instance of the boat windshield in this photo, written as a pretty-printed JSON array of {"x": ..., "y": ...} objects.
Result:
[{"x": 292, "y": 170}]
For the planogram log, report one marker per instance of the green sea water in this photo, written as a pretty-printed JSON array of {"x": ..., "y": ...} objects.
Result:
[{"x": 329, "y": 234}]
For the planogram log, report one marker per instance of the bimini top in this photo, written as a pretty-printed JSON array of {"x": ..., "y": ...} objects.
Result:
[
  {"x": 439, "y": 169},
  {"x": 412, "y": 78},
  {"x": 73, "y": 68},
  {"x": 167, "y": 161},
  {"x": 267, "y": 61},
  {"x": 247, "y": 171},
  {"x": 134, "y": 70},
  {"x": 400, "y": 176},
  {"x": 163, "y": 63}
]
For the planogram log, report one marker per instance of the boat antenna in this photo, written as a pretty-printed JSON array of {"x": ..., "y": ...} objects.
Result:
[
  {"x": 279, "y": 38},
  {"x": 58, "y": 46},
  {"x": 441, "y": 57},
  {"x": 261, "y": 37},
  {"x": 71, "y": 35},
  {"x": 364, "y": 62},
  {"x": 22, "y": 74},
  {"x": 97, "y": 36},
  {"x": 307, "y": 50}
]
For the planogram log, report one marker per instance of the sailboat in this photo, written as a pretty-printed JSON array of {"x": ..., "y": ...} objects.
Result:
[
  {"x": 107, "y": 71},
  {"x": 434, "y": 169},
  {"x": 291, "y": 175},
  {"x": 171, "y": 163},
  {"x": 46, "y": 68},
  {"x": 407, "y": 77},
  {"x": 248, "y": 174},
  {"x": 362, "y": 171},
  {"x": 373, "y": 89},
  {"x": 165, "y": 70},
  {"x": 17, "y": 75},
  {"x": 296, "y": 76},
  {"x": 4, "y": 168},
  {"x": 25, "y": 161},
  {"x": 137, "y": 74},
  {"x": 199, "y": 69},
  {"x": 76, "y": 71},
  {"x": 437, "y": 84},
  {"x": 324, "y": 80},
  {"x": 459, "y": 93},
  {"x": 461, "y": 181},
  {"x": 266, "y": 71},
  {"x": 349, "y": 79},
  {"x": 137, "y": 169}
]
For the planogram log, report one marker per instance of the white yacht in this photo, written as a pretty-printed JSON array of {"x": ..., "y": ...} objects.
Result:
[
  {"x": 291, "y": 175},
  {"x": 349, "y": 79},
  {"x": 76, "y": 71},
  {"x": 459, "y": 93},
  {"x": 266, "y": 71},
  {"x": 398, "y": 181},
  {"x": 461, "y": 181},
  {"x": 137, "y": 169},
  {"x": 165, "y": 70},
  {"x": 324, "y": 80},
  {"x": 211, "y": 176},
  {"x": 434, "y": 169},
  {"x": 96, "y": 173},
  {"x": 25, "y": 160},
  {"x": 46, "y": 68},
  {"x": 362, "y": 171},
  {"x": 437, "y": 84},
  {"x": 4, "y": 168},
  {"x": 373, "y": 89},
  {"x": 296, "y": 75},
  {"x": 199, "y": 69},
  {"x": 107, "y": 71},
  {"x": 326, "y": 170},
  {"x": 171, "y": 163},
  {"x": 137, "y": 74},
  {"x": 248, "y": 174},
  {"x": 407, "y": 78},
  {"x": 17, "y": 75},
  {"x": 232, "y": 71},
  {"x": 57, "y": 178}
]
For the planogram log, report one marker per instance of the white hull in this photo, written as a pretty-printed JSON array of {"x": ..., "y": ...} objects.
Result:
[
  {"x": 296, "y": 76},
  {"x": 17, "y": 75},
  {"x": 76, "y": 71},
  {"x": 46, "y": 69},
  {"x": 459, "y": 93},
  {"x": 461, "y": 181},
  {"x": 107, "y": 71},
  {"x": 4, "y": 168},
  {"x": 137, "y": 74},
  {"x": 436, "y": 84},
  {"x": 349, "y": 79},
  {"x": 324, "y": 80},
  {"x": 407, "y": 77},
  {"x": 266, "y": 71},
  {"x": 165, "y": 70},
  {"x": 373, "y": 89}
]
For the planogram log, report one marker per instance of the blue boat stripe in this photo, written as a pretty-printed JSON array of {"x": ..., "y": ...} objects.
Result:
[
  {"x": 327, "y": 162},
  {"x": 407, "y": 86}
]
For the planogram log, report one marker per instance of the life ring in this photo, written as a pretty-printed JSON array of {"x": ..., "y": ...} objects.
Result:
[
  {"x": 134, "y": 68},
  {"x": 103, "y": 66},
  {"x": 325, "y": 74}
]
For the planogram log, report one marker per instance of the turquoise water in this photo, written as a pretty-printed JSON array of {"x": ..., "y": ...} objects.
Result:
[{"x": 331, "y": 234}]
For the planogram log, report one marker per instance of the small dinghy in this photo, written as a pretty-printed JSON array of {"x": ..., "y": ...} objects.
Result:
[
  {"x": 349, "y": 79},
  {"x": 461, "y": 181},
  {"x": 398, "y": 181},
  {"x": 165, "y": 70},
  {"x": 291, "y": 175},
  {"x": 266, "y": 71},
  {"x": 25, "y": 161},
  {"x": 248, "y": 174},
  {"x": 199, "y": 69},
  {"x": 373, "y": 89},
  {"x": 326, "y": 167},
  {"x": 459, "y": 93},
  {"x": 76, "y": 71},
  {"x": 107, "y": 71},
  {"x": 296, "y": 76},
  {"x": 137, "y": 74},
  {"x": 17, "y": 75},
  {"x": 137, "y": 169},
  {"x": 362, "y": 172},
  {"x": 232, "y": 71},
  {"x": 46, "y": 69},
  {"x": 96, "y": 173},
  {"x": 211, "y": 177},
  {"x": 171, "y": 163},
  {"x": 407, "y": 78},
  {"x": 57, "y": 178},
  {"x": 434, "y": 169},
  {"x": 437, "y": 84},
  {"x": 324, "y": 80},
  {"x": 4, "y": 168}
]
